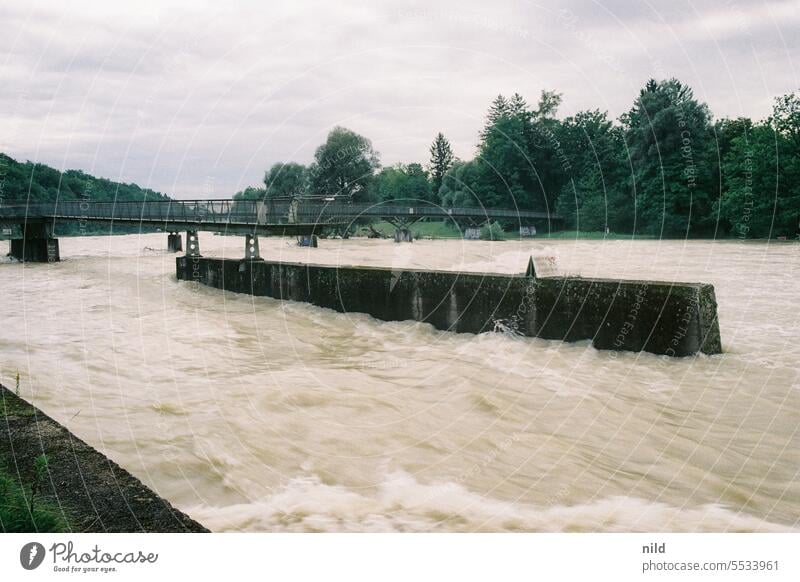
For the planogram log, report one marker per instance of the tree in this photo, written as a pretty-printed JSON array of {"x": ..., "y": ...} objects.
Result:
[
  {"x": 762, "y": 176},
  {"x": 507, "y": 178},
  {"x": 547, "y": 155},
  {"x": 28, "y": 182},
  {"x": 289, "y": 179},
  {"x": 344, "y": 166},
  {"x": 786, "y": 118},
  {"x": 251, "y": 193},
  {"x": 498, "y": 109},
  {"x": 549, "y": 102},
  {"x": 441, "y": 160},
  {"x": 668, "y": 134},
  {"x": 520, "y": 160},
  {"x": 407, "y": 182},
  {"x": 461, "y": 184},
  {"x": 595, "y": 196}
]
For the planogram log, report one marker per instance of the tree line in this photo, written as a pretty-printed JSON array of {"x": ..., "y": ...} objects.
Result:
[
  {"x": 29, "y": 182},
  {"x": 664, "y": 168}
]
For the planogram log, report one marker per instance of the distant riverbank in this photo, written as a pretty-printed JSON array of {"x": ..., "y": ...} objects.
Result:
[{"x": 444, "y": 230}]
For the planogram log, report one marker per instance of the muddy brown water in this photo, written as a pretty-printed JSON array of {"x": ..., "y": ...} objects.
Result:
[{"x": 251, "y": 414}]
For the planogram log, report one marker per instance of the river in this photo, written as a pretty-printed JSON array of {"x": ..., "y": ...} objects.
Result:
[{"x": 252, "y": 414}]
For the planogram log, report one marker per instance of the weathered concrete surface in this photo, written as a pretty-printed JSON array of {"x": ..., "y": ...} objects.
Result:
[
  {"x": 93, "y": 493},
  {"x": 174, "y": 242},
  {"x": 35, "y": 250},
  {"x": 37, "y": 244},
  {"x": 675, "y": 319}
]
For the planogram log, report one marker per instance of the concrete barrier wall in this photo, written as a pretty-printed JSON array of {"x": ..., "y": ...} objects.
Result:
[{"x": 675, "y": 319}]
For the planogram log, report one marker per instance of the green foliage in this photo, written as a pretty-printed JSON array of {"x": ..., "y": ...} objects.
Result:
[
  {"x": 668, "y": 133},
  {"x": 404, "y": 182},
  {"x": 19, "y": 513},
  {"x": 761, "y": 173},
  {"x": 492, "y": 231},
  {"x": 458, "y": 186},
  {"x": 520, "y": 162},
  {"x": 251, "y": 193},
  {"x": 596, "y": 196},
  {"x": 440, "y": 162},
  {"x": 786, "y": 119},
  {"x": 344, "y": 166},
  {"x": 27, "y": 182},
  {"x": 40, "y": 466},
  {"x": 592, "y": 235},
  {"x": 284, "y": 180},
  {"x": 423, "y": 229},
  {"x": 663, "y": 169}
]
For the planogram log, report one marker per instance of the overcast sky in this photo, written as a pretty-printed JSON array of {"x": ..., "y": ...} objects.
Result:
[{"x": 198, "y": 99}]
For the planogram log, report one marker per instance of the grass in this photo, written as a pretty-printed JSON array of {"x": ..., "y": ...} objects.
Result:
[
  {"x": 423, "y": 229},
  {"x": 441, "y": 229},
  {"x": 21, "y": 510},
  {"x": 584, "y": 235}
]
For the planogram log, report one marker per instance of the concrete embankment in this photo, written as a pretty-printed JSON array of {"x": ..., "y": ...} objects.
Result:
[
  {"x": 674, "y": 319},
  {"x": 89, "y": 491}
]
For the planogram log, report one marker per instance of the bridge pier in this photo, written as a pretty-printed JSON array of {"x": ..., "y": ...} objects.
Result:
[
  {"x": 37, "y": 244},
  {"x": 308, "y": 240},
  {"x": 174, "y": 243},
  {"x": 402, "y": 227},
  {"x": 192, "y": 244},
  {"x": 251, "y": 252},
  {"x": 403, "y": 235}
]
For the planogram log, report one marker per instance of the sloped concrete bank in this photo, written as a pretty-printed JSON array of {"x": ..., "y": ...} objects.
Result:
[
  {"x": 674, "y": 319},
  {"x": 89, "y": 491}
]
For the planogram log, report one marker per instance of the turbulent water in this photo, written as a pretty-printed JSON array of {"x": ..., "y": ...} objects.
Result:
[{"x": 254, "y": 414}]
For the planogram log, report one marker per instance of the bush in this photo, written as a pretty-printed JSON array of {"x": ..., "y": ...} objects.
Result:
[{"x": 492, "y": 231}]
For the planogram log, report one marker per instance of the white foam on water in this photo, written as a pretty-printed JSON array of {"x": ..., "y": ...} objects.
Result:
[{"x": 402, "y": 503}]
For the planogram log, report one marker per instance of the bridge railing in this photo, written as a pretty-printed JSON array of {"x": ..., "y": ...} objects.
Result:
[{"x": 273, "y": 211}]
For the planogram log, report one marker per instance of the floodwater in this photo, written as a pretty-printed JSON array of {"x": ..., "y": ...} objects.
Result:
[{"x": 259, "y": 415}]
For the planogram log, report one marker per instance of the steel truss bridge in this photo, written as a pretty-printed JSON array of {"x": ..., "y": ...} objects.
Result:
[{"x": 277, "y": 215}]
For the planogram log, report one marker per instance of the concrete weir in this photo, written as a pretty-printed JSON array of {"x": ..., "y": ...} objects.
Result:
[{"x": 674, "y": 319}]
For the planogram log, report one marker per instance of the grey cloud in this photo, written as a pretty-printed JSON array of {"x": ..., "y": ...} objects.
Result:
[{"x": 197, "y": 99}]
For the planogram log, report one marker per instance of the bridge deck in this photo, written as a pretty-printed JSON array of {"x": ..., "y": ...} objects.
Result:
[{"x": 273, "y": 215}]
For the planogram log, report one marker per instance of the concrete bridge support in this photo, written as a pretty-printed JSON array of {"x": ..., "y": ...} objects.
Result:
[
  {"x": 174, "y": 243},
  {"x": 192, "y": 244},
  {"x": 403, "y": 235},
  {"x": 308, "y": 240},
  {"x": 251, "y": 252},
  {"x": 472, "y": 233},
  {"x": 402, "y": 227},
  {"x": 37, "y": 244}
]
